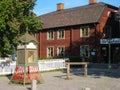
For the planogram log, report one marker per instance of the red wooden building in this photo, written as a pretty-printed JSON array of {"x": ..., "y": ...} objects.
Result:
[{"x": 77, "y": 32}]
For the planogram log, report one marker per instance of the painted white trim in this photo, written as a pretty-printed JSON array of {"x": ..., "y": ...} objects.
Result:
[{"x": 31, "y": 45}]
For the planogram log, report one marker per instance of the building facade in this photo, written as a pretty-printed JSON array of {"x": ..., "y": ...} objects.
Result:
[{"x": 78, "y": 33}]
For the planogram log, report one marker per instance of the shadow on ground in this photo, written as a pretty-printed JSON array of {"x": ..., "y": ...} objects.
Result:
[
  {"x": 9, "y": 76},
  {"x": 95, "y": 73},
  {"x": 29, "y": 89}
]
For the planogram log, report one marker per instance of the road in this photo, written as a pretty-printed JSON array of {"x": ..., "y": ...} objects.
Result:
[{"x": 97, "y": 79}]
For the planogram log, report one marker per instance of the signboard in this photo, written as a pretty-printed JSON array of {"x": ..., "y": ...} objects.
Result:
[
  {"x": 111, "y": 41},
  {"x": 31, "y": 56},
  {"x": 20, "y": 46},
  {"x": 21, "y": 57},
  {"x": 31, "y": 73},
  {"x": 31, "y": 46}
]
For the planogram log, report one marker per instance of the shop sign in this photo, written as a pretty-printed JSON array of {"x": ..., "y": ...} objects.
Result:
[{"x": 111, "y": 41}]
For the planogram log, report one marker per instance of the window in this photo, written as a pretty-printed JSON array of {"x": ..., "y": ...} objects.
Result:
[
  {"x": 84, "y": 32},
  {"x": 60, "y": 51},
  {"x": 50, "y": 52},
  {"x": 84, "y": 50},
  {"x": 61, "y": 34},
  {"x": 50, "y": 35}
]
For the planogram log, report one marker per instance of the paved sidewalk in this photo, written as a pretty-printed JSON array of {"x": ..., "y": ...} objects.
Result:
[{"x": 98, "y": 79}]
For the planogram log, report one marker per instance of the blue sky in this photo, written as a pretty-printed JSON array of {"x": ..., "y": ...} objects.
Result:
[{"x": 46, "y": 6}]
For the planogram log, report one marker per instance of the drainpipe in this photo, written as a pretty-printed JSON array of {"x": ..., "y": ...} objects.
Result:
[
  {"x": 95, "y": 25},
  {"x": 70, "y": 41}
]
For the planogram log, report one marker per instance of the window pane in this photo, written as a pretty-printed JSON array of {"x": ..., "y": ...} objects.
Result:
[
  {"x": 50, "y": 52},
  {"x": 84, "y": 51},
  {"x": 61, "y": 34},
  {"x": 50, "y": 35},
  {"x": 60, "y": 51},
  {"x": 84, "y": 32}
]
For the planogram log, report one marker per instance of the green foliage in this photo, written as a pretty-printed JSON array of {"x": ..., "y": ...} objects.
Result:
[{"x": 16, "y": 17}]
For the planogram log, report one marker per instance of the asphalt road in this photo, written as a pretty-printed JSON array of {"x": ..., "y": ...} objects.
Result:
[{"x": 97, "y": 79}]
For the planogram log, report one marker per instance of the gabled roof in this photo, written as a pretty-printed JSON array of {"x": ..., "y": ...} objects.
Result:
[
  {"x": 74, "y": 16},
  {"x": 26, "y": 38}
]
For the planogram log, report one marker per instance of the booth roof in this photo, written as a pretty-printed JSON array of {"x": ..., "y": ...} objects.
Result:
[{"x": 26, "y": 38}]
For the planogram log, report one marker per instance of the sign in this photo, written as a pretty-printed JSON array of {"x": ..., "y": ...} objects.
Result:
[
  {"x": 20, "y": 46},
  {"x": 31, "y": 46},
  {"x": 31, "y": 56},
  {"x": 21, "y": 57},
  {"x": 31, "y": 73},
  {"x": 111, "y": 41}
]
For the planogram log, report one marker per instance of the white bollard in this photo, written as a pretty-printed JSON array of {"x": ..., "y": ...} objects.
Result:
[
  {"x": 86, "y": 89},
  {"x": 34, "y": 85}
]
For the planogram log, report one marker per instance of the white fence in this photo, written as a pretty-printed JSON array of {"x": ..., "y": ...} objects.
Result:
[
  {"x": 44, "y": 65},
  {"x": 51, "y": 64}
]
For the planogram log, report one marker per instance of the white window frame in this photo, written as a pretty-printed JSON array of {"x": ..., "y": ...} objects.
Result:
[
  {"x": 83, "y": 29},
  {"x": 49, "y": 52},
  {"x": 58, "y": 34},
  {"x": 60, "y": 53},
  {"x": 82, "y": 51},
  {"x": 48, "y": 35}
]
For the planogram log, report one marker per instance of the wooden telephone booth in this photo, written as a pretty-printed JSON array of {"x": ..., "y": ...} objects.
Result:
[{"x": 26, "y": 66}]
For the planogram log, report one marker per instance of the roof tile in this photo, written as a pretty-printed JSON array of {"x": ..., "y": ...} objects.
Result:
[{"x": 73, "y": 16}]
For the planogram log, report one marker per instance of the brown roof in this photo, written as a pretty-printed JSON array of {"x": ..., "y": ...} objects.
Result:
[{"x": 73, "y": 16}]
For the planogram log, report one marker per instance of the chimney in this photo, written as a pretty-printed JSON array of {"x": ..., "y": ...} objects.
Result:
[
  {"x": 92, "y": 1},
  {"x": 60, "y": 6}
]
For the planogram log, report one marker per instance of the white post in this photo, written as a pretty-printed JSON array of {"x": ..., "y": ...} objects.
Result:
[
  {"x": 34, "y": 85},
  {"x": 3, "y": 71}
]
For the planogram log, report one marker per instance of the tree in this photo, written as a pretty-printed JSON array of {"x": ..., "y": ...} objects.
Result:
[{"x": 16, "y": 18}]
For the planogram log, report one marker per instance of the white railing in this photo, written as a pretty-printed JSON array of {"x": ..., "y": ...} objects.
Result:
[{"x": 44, "y": 65}]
